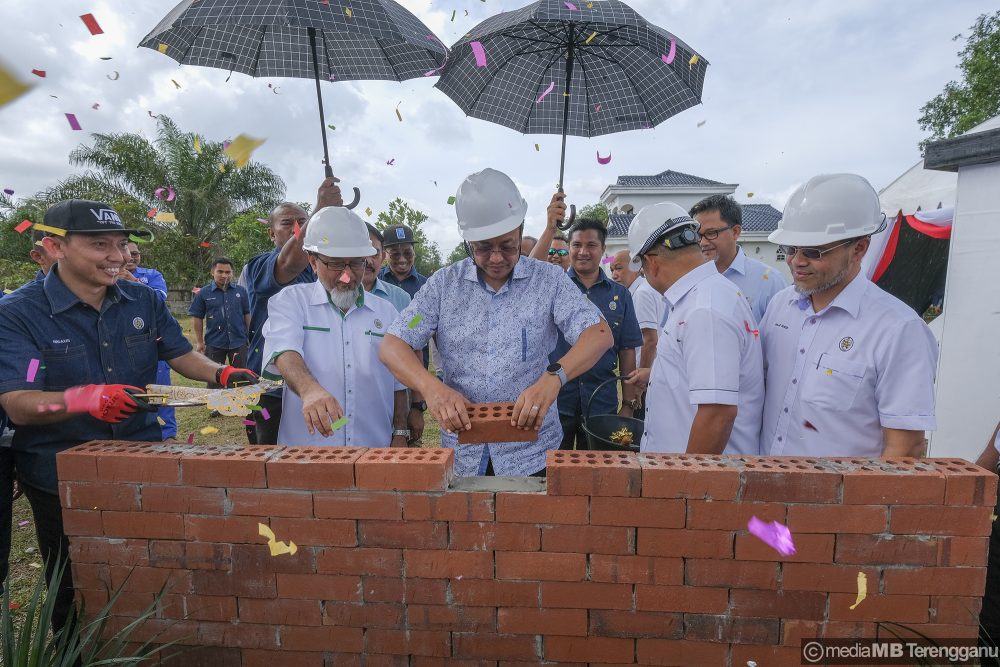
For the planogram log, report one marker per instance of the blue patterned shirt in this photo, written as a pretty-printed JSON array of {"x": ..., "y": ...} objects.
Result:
[{"x": 495, "y": 344}]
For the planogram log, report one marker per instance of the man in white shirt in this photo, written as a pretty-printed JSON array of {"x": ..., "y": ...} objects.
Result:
[
  {"x": 849, "y": 367},
  {"x": 720, "y": 221},
  {"x": 648, "y": 306},
  {"x": 706, "y": 388},
  {"x": 323, "y": 338}
]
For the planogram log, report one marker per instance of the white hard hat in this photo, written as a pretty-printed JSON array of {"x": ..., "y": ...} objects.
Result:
[
  {"x": 651, "y": 223},
  {"x": 828, "y": 208},
  {"x": 488, "y": 204},
  {"x": 335, "y": 231}
]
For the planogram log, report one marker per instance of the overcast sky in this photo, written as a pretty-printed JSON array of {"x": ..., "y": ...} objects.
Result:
[{"x": 794, "y": 89}]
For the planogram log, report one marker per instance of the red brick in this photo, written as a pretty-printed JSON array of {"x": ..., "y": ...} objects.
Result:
[
  {"x": 99, "y": 496},
  {"x": 808, "y": 549},
  {"x": 365, "y": 614},
  {"x": 263, "y": 502},
  {"x": 79, "y": 522},
  {"x": 589, "y": 649},
  {"x": 146, "y": 525},
  {"x": 279, "y": 612},
  {"x": 315, "y": 532},
  {"x": 436, "y": 564},
  {"x": 649, "y": 512},
  {"x": 539, "y": 508},
  {"x": 774, "y": 480},
  {"x": 150, "y": 579},
  {"x": 357, "y": 504},
  {"x": 92, "y": 576},
  {"x": 382, "y": 589},
  {"x": 426, "y": 591},
  {"x": 450, "y": 506},
  {"x": 407, "y": 642},
  {"x": 489, "y": 593},
  {"x": 969, "y": 581},
  {"x": 285, "y": 658},
  {"x": 826, "y": 577},
  {"x": 886, "y": 549},
  {"x": 183, "y": 499},
  {"x": 684, "y": 543},
  {"x": 670, "y": 476},
  {"x": 682, "y": 653},
  {"x": 486, "y": 646},
  {"x": 793, "y": 631},
  {"x": 637, "y": 570},
  {"x": 201, "y": 656},
  {"x": 358, "y": 560},
  {"x": 702, "y": 600},
  {"x": 208, "y": 608},
  {"x": 589, "y": 539},
  {"x": 227, "y": 468},
  {"x": 766, "y": 655},
  {"x": 586, "y": 595},
  {"x": 110, "y": 550},
  {"x": 424, "y": 661},
  {"x": 305, "y": 638},
  {"x": 142, "y": 462},
  {"x": 618, "y": 623},
  {"x": 313, "y": 468},
  {"x": 319, "y": 587},
  {"x": 935, "y": 520},
  {"x": 837, "y": 519},
  {"x": 585, "y": 473},
  {"x": 395, "y": 469},
  {"x": 210, "y": 582},
  {"x": 451, "y": 618},
  {"x": 873, "y": 487},
  {"x": 965, "y": 483},
  {"x": 77, "y": 464},
  {"x": 963, "y": 551},
  {"x": 951, "y": 610},
  {"x": 400, "y": 534},
  {"x": 538, "y": 566},
  {"x": 232, "y": 529},
  {"x": 943, "y": 631},
  {"x": 190, "y": 555},
  {"x": 732, "y": 630},
  {"x": 252, "y": 559},
  {"x": 877, "y": 607},
  {"x": 494, "y": 537},
  {"x": 807, "y": 605},
  {"x": 520, "y": 621},
  {"x": 725, "y": 515},
  {"x": 491, "y": 422},
  {"x": 731, "y": 573}
]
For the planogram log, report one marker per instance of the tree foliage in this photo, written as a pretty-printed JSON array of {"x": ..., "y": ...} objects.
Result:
[
  {"x": 428, "y": 255},
  {"x": 598, "y": 210},
  {"x": 976, "y": 98},
  {"x": 457, "y": 255}
]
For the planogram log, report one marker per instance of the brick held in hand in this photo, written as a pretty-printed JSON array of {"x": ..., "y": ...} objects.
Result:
[{"x": 491, "y": 423}]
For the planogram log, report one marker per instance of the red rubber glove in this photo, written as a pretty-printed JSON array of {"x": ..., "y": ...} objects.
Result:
[
  {"x": 230, "y": 376},
  {"x": 112, "y": 403}
]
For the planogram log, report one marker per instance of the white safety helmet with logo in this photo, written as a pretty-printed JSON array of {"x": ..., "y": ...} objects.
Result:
[
  {"x": 828, "y": 208},
  {"x": 652, "y": 223},
  {"x": 488, "y": 205},
  {"x": 335, "y": 231}
]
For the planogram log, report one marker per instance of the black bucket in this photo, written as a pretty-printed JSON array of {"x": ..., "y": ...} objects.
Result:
[{"x": 600, "y": 427}]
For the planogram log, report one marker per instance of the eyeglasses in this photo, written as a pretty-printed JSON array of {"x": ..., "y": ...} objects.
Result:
[
  {"x": 135, "y": 255},
  {"x": 712, "y": 234},
  {"x": 562, "y": 252},
  {"x": 809, "y": 253},
  {"x": 401, "y": 253},
  {"x": 485, "y": 251},
  {"x": 338, "y": 265}
]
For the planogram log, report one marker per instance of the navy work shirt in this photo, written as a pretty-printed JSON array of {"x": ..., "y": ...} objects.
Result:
[
  {"x": 615, "y": 304},
  {"x": 77, "y": 345},
  {"x": 223, "y": 311},
  {"x": 263, "y": 285},
  {"x": 410, "y": 283}
]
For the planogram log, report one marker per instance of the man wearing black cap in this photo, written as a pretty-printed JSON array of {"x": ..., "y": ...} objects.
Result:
[
  {"x": 77, "y": 348},
  {"x": 400, "y": 270}
]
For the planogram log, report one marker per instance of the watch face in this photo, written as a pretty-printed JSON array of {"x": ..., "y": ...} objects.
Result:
[{"x": 554, "y": 368}]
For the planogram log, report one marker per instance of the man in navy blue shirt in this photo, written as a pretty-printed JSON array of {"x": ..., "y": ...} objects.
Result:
[
  {"x": 399, "y": 247},
  {"x": 226, "y": 309},
  {"x": 586, "y": 248},
  {"x": 78, "y": 347}
]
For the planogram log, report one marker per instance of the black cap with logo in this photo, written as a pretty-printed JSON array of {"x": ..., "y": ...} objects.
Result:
[
  {"x": 397, "y": 235},
  {"x": 82, "y": 216}
]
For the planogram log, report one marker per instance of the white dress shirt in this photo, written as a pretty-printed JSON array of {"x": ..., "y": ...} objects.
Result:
[
  {"x": 709, "y": 352},
  {"x": 837, "y": 377},
  {"x": 341, "y": 352},
  {"x": 758, "y": 281},
  {"x": 649, "y": 309}
]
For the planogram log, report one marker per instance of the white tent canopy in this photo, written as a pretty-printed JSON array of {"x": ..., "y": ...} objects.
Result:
[{"x": 919, "y": 188}]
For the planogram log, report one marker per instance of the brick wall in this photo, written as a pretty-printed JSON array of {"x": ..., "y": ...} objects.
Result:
[{"x": 617, "y": 559}]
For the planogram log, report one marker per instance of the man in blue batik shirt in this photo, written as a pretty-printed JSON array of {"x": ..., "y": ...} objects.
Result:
[{"x": 496, "y": 316}]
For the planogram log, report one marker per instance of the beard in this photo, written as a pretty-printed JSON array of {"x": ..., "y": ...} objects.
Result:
[
  {"x": 832, "y": 282},
  {"x": 344, "y": 298}
]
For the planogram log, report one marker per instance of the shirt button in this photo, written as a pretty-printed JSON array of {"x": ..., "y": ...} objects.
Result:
[
  {"x": 109, "y": 369},
  {"x": 105, "y": 343},
  {"x": 786, "y": 409},
  {"x": 812, "y": 321},
  {"x": 802, "y": 350},
  {"x": 779, "y": 438},
  {"x": 795, "y": 381}
]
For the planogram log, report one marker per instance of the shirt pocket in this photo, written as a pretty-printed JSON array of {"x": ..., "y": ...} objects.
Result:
[
  {"x": 65, "y": 367},
  {"x": 143, "y": 351},
  {"x": 833, "y": 383}
]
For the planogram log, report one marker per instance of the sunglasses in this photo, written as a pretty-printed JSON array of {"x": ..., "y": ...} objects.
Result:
[
  {"x": 809, "y": 253},
  {"x": 562, "y": 252}
]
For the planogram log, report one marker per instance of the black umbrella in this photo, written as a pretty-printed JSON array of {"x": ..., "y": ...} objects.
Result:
[
  {"x": 582, "y": 68},
  {"x": 334, "y": 40}
]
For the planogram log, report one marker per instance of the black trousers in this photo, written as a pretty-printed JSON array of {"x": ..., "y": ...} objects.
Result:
[
  {"x": 6, "y": 510},
  {"x": 989, "y": 617},
  {"x": 267, "y": 429},
  {"x": 573, "y": 435},
  {"x": 53, "y": 546},
  {"x": 235, "y": 356}
]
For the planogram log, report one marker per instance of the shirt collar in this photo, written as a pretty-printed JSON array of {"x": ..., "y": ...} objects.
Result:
[
  {"x": 379, "y": 287},
  {"x": 601, "y": 278},
  {"x": 214, "y": 286},
  {"x": 849, "y": 299},
  {"x": 688, "y": 281},
  {"x": 636, "y": 284},
  {"x": 739, "y": 264},
  {"x": 62, "y": 299},
  {"x": 320, "y": 297}
]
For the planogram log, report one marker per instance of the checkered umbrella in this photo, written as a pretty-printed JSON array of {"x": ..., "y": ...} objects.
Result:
[
  {"x": 607, "y": 69},
  {"x": 330, "y": 40}
]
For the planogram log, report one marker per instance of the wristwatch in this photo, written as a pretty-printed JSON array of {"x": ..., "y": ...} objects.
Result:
[
  {"x": 557, "y": 370},
  {"x": 419, "y": 405},
  {"x": 635, "y": 403},
  {"x": 405, "y": 432}
]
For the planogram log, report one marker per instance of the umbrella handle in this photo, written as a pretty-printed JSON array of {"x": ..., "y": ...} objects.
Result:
[
  {"x": 354, "y": 202},
  {"x": 568, "y": 222}
]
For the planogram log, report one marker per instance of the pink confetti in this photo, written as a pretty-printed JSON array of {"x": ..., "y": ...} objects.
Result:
[
  {"x": 479, "y": 52},
  {"x": 597, "y": 108},
  {"x": 434, "y": 71},
  {"x": 23, "y": 226},
  {"x": 38, "y": 73},
  {"x": 24, "y": 523},
  {"x": 92, "y": 25},
  {"x": 548, "y": 90},
  {"x": 603, "y": 160},
  {"x": 755, "y": 332},
  {"x": 169, "y": 190},
  {"x": 191, "y": 439},
  {"x": 607, "y": 260},
  {"x": 265, "y": 414},
  {"x": 32, "y": 370},
  {"x": 669, "y": 58},
  {"x": 775, "y": 535},
  {"x": 249, "y": 422},
  {"x": 570, "y": 6},
  {"x": 74, "y": 124}
]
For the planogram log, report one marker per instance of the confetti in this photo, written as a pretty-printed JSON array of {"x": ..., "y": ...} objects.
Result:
[
  {"x": 591, "y": 38},
  {"x": 776, "y": 535},
  {"x": 608, "y": 260},
  {"x": 277, "y": 548},
  {"x": 242, "y": 147},
  {"x": 415, "y": 322},
  {"x": 749, "y": 195},
  {"x": 95, "y": 106},
  {"x": 671, "y": 54},
  {"x": 694, "y": 60},
  {"x": 603, "y": 160},
  {"x": 755, "y": 332},
  {"x": 151, "y": 213},
  {"x": 597, "y": 108},
  {"x": 91, "y": 23},
  {"x": 115, "y": 77},
  {"x": 208, "y": 430},
  {"x": 136, "y": 239},
  {"x": 265, "y": 414},
  {"x": 570, "y": 6},
  {"x": 51, "y": 230},
  {"x": 9, "y": 192},
  {"x": 74, "y": 124},
  {"x": 176, "y": 85},
  {"x": 862, "y": 589},
  {"x": 700, "y": 123},
  {"x": 451, "y": 200},
  {"x": 453, "y": 12},
  {"x": 10, "y": 88},
  {"x": 297, "y": 231},
  {"x": 162, "y": 48},
  {"x": 399, "y": 115},
  {"x": 339, "y": 424},
  {"x": 39, "y": 73},
  {"x": 537, "y": 148},
  {"x": 391, "y": 162},
  {"x": 164, "y": 216},
  {"x": 22, "y": 226},
  {"x": 152, "y": 115},
  {"x": 160, "y": 420},
  {"x": 349, "y": 13},
  {"x": 249, "y": 422},
  {"x": 829, "y": 371},
  {"x": 552, "y": 84},
  {"x": 479, "y": 53},
  {"x": 197, "y": 145},
  {"x": 809, "y": 425},
  {"x": 23, "y": 523},
  {"x": 205, "y": 244},
  {"x": 332, "y": 127},
  {"x": 368, "y": 211},
  {"x": 191, "y": 439},
  {"x": 158, "y": 193},
  {"x": 32, "y": 370}
]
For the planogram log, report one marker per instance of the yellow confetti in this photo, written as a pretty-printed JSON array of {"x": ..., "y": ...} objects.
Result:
[
  {"x": 749, "y": 195},
  {"x": 694, "y": 60},
  {"x": 208, "y": 430},
  {"x": 242, "y": 147},
  {"x": 862, "y": 589},
  {"x": 222, "y": 168},
  {"x": 162, "y": 48},
  {"x": 399, "y": 115},
  {"x": 10, "y": 87},
  {"x": 368, "y": 211},
  {"x": 591, "y": 38},
  {"x": 277, "y": 548},
  {"x": 537, "y": 148},
  {"x": 993, "y": 517},
  {"x": 829, "y": 371},
  {"x": 51, "y": 230},
  {"x": 348, "y": 12},
  {"x": 161, "y": 422},
  {"x": 197, "y": 145},
  {"x": 163, "y": 216},
  {"x": 176, "y": 85}
]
